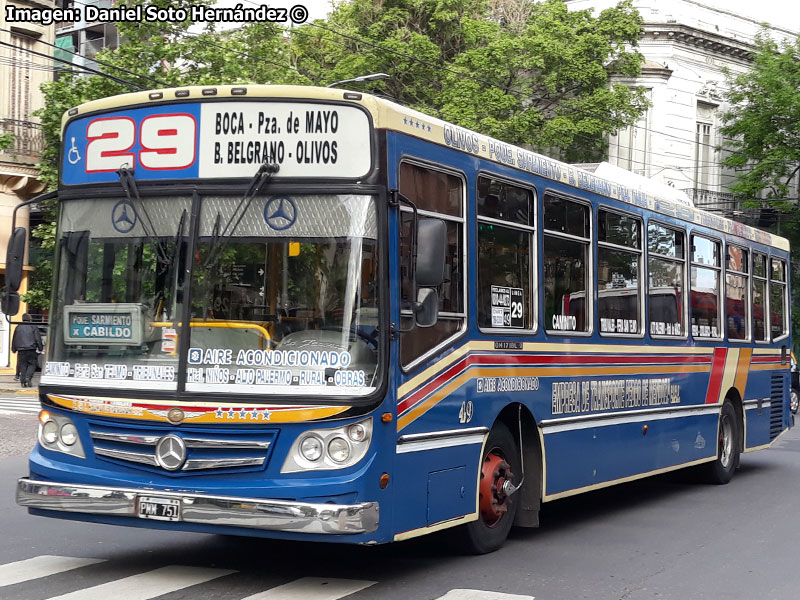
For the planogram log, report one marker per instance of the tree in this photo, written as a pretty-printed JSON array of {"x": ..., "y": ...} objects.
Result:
[
  {"x": 761, "y": 126},
  {"x": 531, "y": 73}
]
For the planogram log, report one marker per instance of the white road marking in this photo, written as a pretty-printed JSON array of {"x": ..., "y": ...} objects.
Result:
[
  {"x": 148, "y": 585},
  {"x": 481, "y": 595},
  {"x": 41, "y": 566},
  {"x": 313, "y": 588}
]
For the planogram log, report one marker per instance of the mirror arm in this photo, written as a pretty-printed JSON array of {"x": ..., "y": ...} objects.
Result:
[{"x": 395, "y": 199}]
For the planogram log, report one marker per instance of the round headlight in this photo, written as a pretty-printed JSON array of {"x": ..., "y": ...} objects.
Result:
[
  {"x": 339, "y": 449},
  {"x": 357, "y": 432},
  {"x": 50, "y": 432},
  {"x": 311, "y": 448},
  {"x": 69, "y": 434}
]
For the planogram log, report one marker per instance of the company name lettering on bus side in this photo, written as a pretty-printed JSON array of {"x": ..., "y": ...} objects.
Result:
[{"x": 576, "y": 397}]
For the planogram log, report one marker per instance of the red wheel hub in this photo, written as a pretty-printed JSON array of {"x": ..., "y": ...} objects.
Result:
[{"x": 493, "y": 499}]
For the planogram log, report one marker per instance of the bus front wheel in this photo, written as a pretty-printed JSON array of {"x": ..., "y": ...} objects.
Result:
[
  {"x": 721, "y": 470},
  {"x": 496, "y": 506}
]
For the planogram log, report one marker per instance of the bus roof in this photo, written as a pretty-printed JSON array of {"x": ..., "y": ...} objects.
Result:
[{"x": 392, "y": 116}]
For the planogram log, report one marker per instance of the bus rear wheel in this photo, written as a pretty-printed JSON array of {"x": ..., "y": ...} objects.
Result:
[
  {"x": 721, "y": 470},
  {"x": 500, "y": 464}
]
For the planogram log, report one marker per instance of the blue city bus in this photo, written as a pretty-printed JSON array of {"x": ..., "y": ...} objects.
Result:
[{"x": 314, "y": 314}]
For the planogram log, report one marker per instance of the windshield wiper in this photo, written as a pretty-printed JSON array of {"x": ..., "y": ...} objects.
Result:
[
  {"x": 220, "y": 239},
  {"x": 128, "y": 183}
]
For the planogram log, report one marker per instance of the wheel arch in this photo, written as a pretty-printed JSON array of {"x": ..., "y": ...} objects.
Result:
[
  {"x": 738, "y": 406},
  {"x": 531, "y": 491}
]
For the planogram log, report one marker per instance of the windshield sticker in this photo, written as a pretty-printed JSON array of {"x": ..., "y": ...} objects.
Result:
[
  {"x": 270, "y": 358},
  {"x": 110, "y": 371},
  {"x": 507, "y": 307},
  {"x": 280, "y": 212}
]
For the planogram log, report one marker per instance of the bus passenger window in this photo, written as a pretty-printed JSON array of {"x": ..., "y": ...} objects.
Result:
[
  {"x": 566, "y": 265},
  {"x": 736, "y": 306},
  {"x": 705, "y": 288},
  {"x": 666, "y": 268},
  {"x": 618, "y": 264},
  {"x": 777, "y": 298},
  {"x": 760, "y": 331},
  {"x": 440, "y": 195},
  {"x": 505, "y": 235}
]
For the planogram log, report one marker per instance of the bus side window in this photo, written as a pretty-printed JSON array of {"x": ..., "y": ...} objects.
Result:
[
  {"x": 737, "y": 309},
  {"x": 440, "y": 195},
  {"x": 505, "y": 242},
  {"x": 666, "y": 269},
  {"x": 777, "y": 298},
  {"x": 706, "y": 281},
  {"x": 760, "y": 331},
  {"x": 565, "y": 265},
  {"x": 619, "y": 252}
]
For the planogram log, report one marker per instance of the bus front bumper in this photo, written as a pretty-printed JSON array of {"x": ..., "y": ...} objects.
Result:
[{"x": 256, "y": 513}]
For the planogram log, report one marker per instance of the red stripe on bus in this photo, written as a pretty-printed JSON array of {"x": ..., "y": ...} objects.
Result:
[{"x": 717, "y": 370}]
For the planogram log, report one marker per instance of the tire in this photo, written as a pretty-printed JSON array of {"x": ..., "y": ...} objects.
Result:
[
  {"x": 721, "y": 470},
  {"x": 500, "y": 461},
  {"x": 794, "y": 400}
]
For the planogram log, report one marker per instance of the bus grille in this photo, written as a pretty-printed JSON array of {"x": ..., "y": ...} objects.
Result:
[
  {"x": 206, "y": 451},
  {"x": 777, "y": 390}
]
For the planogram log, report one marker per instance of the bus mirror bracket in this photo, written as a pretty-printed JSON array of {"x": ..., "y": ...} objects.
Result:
[{"x": 15, "y": 257}]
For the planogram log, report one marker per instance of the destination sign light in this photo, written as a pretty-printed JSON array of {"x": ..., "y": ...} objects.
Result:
[{"x": 223, "y": 139}]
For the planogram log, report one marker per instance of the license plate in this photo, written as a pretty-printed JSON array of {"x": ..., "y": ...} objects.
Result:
[{"x": 161, "y": 509}]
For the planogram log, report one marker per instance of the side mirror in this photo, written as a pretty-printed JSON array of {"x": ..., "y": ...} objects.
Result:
[
  {"x": 10, "y": 304},
  {"x": 431, "y": 250},
  {"x": 427, "y": 307},
  {"x": 14, "y": 258}
]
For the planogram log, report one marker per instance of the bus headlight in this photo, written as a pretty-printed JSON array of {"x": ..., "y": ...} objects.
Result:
[
  {"x": 339, "y": 449},
  {"x": 327, "y": 449},
  {"x": 311, "y": 448},
  {"x": 59, "y": 434}
]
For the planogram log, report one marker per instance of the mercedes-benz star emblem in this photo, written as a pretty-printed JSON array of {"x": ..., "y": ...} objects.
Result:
[
  {"x": 124, "y": 216},
  {"x": 171, "y": 452},
  {"x": 280, "y": 212}
]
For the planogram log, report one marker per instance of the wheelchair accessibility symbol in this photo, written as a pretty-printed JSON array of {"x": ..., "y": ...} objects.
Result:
[
  {"x": 280, "y": 212},
  {"x": 73, "y": 156},
  {"x": 124, "y": 216}
]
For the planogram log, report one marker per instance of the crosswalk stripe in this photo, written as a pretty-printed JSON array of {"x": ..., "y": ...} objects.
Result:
[
  {"x": 41, "y": 566},
  {"x": 148, "y": 585},
  {"x": 313, "y": 588},
  {"x": 481, "y": 595}
]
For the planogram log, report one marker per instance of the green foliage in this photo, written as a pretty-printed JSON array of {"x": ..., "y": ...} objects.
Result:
[
  {"x": 6, "y": 141},
  {"x": 761, "y": 124}
]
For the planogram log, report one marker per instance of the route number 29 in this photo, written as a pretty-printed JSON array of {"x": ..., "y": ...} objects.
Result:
[{"x": 166, "y": 142}]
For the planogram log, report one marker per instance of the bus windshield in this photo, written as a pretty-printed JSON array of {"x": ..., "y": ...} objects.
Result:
[{"x": 282, "y": 298}]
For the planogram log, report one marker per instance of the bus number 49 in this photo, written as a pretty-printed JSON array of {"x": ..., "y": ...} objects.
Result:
[{"x": 465, "y": 414}]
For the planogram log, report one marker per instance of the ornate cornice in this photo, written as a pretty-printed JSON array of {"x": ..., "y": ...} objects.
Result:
[{"x": 691, "y": 37}]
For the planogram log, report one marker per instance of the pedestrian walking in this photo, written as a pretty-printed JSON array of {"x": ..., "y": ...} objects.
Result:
[{"x": 27, "y": 343}]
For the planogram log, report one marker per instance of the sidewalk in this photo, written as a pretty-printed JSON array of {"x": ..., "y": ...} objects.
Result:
[{"x": 8, "y": 384}]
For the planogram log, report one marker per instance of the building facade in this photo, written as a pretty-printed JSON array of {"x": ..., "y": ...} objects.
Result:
[
  {"x": 21, "y": 72},
  {"x": 687, "y": 45}
]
